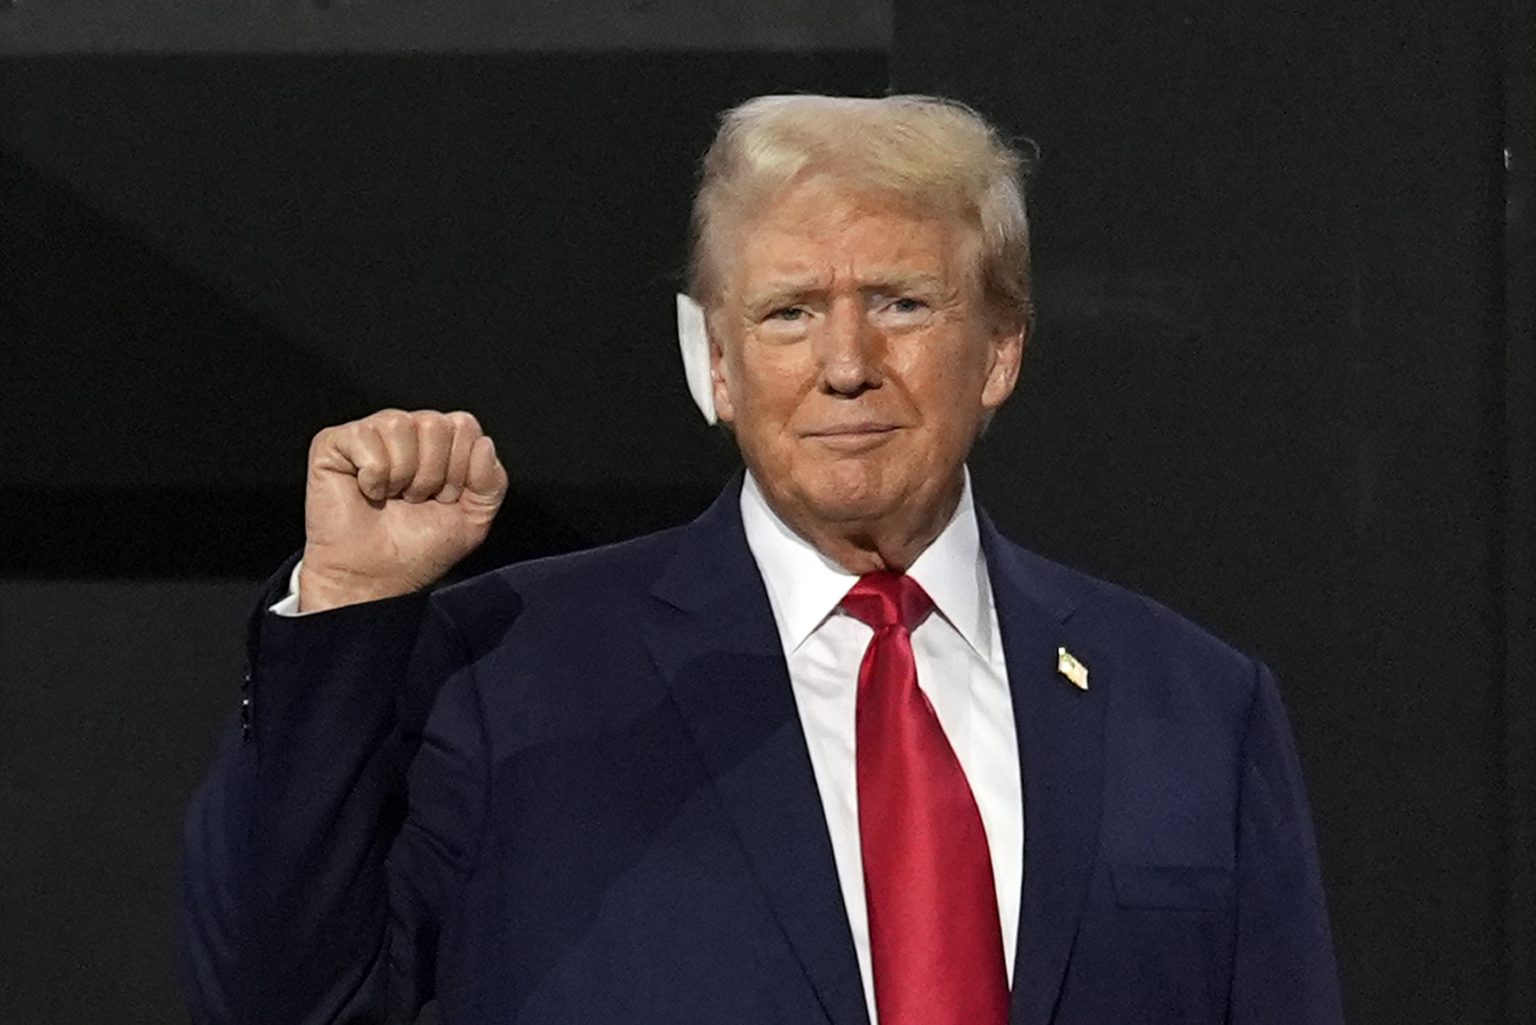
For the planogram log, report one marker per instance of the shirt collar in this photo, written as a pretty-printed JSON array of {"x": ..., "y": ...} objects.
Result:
[
  {"x": 804, "y": 586},
  {"x": 954, "y": 573}
]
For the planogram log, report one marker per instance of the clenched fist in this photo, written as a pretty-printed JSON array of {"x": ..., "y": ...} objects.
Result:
[{"x": 393, "y": 501}]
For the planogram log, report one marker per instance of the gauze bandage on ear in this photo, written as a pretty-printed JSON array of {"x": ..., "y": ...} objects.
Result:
[{"x": 693, "y": 341}]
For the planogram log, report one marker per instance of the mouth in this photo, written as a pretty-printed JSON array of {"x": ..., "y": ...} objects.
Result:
[{"x": 854, "y": 436}]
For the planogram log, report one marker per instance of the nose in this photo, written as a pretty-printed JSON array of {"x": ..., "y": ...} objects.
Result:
[{"x": 850, "y": 350}]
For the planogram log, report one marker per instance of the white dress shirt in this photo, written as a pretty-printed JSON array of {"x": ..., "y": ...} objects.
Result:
[{"x": 960, "y": 668}]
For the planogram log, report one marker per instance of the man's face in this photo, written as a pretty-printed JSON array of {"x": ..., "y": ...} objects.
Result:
[{"x": 854, "y": 358}]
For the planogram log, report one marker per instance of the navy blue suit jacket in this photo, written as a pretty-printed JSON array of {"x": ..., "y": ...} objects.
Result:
[{"x": 576, "y": 790}]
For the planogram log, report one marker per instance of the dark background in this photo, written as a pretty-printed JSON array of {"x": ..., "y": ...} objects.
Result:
[{"x": 1284, "y": 380}]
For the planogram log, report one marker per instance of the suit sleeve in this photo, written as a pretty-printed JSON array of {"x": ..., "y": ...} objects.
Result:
[
  {"x": 311, "y": 893},
  {"x": 1284, "y": 971}
]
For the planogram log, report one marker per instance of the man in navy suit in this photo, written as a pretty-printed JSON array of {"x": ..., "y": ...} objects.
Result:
[{"x": 834, "y": 752}]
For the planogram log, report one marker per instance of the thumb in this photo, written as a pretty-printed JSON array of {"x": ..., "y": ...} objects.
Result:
[{"x": 486, "y": 482}]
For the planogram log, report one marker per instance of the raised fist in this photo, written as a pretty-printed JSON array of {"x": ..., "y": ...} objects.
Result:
[{"x": 392, "y": 502}]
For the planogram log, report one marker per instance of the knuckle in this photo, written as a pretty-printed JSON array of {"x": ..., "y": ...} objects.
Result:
[
  {"x": 391, "y": 421},
  {"x": 464, "y": 421},
  {"x": 426, "y": 418},
  {"x": 329, "y": 432},
  {"x": 435, "y": 430}
]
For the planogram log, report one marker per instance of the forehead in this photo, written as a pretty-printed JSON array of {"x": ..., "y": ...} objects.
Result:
[{"x": 819, "y": 235}]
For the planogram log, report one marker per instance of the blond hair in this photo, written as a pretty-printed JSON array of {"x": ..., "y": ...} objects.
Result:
[{"x": 934, "y": 156}]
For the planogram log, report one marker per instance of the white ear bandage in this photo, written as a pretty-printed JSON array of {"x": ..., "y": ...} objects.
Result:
[{"x": 693, "y": 341}]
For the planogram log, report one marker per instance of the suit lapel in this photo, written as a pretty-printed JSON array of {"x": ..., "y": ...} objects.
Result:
[
  {"x": 714, "y": 640},
  {"x": 1060, "y": 731}
]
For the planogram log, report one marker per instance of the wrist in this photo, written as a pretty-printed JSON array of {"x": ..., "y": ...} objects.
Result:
[{"x": 321, "y": 588}]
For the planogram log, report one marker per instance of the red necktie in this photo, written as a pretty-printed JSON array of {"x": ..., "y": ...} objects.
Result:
[{"x": 935, "y": 943}]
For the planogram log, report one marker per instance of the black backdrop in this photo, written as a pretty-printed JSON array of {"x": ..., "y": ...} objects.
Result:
[
  {"x": 1282, "y": 380},
  {"x": 1277, "y": 385}
]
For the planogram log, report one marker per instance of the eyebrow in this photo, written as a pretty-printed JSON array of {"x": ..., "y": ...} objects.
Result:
[
  {"x": 780, "y": 292},
  {"x": 904, "y": 282},
  {"x": 883, "y": 283}
]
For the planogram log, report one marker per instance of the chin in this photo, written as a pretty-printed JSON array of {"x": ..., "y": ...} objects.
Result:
[{"x": 842, "y": 500}]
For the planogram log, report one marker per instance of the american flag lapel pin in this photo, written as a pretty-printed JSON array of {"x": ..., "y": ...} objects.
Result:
[{"x": 1067, "y": 665}]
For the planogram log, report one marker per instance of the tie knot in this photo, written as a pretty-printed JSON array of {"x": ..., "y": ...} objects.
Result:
[{"x": 887, "y": 599}]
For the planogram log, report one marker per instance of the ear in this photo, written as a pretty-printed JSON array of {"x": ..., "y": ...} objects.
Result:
[
  {"x": 720, "y": 379},
  {"x": 1007, "y": 355}
]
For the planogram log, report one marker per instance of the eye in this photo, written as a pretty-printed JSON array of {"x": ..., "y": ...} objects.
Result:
[
  {"x": 787, "y": 313},
  {"x": 902, "y": 310}
]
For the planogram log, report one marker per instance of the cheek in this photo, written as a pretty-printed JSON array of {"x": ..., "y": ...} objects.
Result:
[
  {"x": 937, "y": 382},
  {"x": 772, "y": 378},
  {"x": 948, "y": 393}
]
